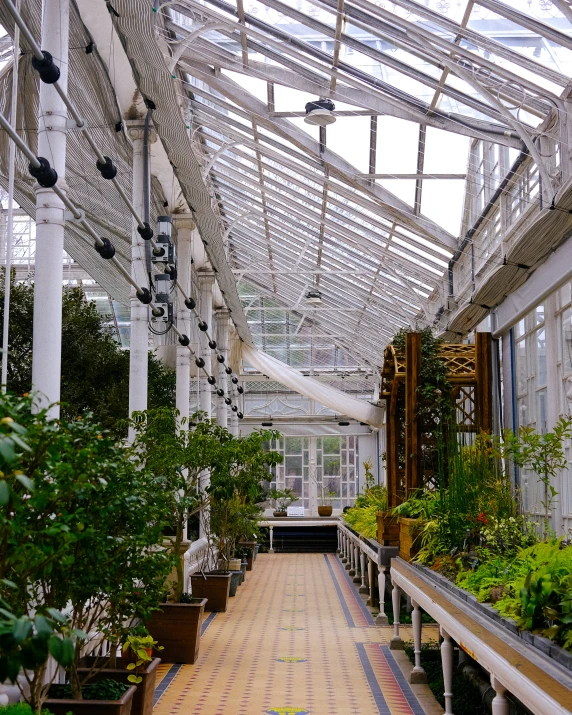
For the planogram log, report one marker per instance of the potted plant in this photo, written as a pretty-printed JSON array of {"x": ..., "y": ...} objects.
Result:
[
  {"x": 326, "y": 496},
  {"x": 78, "y": 540},
  {"x": 235, "y": 492},
  {"x": 413, "y": 515},
  {"x": 180, "y": 456},
  {"x": 281, "y": 500}
]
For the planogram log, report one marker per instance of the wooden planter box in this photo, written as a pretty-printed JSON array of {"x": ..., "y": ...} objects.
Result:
[
  {"x": 92, "y": 707},
  {"x": 387, "y": 528},
  {"x": 143, "y": 699},
  {"x": 215, "y": 587},
  {"x": 177, "y": 627},
  {"x": 409, "y": 537}
]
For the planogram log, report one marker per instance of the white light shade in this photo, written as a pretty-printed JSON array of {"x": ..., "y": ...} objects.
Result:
[{"x": 320, "y": 117}]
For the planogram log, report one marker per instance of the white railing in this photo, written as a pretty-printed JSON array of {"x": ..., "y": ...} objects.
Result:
[{"x": 196, "y": 558}]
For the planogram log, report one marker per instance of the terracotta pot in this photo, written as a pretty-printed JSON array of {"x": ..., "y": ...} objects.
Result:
[
  {"x": 213, "y": 586},
  {"x": 325, "y": 511},
  {"x": 177, "y": 627},
  {"x": 387, "y": 528},
  {"x": 409, "y": 537},
  {"x": 92, "y": 707},
  {"x": 143, "y": 699},
  {"x": 128, "y": 656}
]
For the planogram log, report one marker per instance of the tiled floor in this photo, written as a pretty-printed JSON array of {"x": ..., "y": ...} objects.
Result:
[{"x": 297, "y": 639}]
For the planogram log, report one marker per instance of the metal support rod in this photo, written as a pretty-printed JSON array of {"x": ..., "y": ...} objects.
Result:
[{"x": 10, "y": 223}]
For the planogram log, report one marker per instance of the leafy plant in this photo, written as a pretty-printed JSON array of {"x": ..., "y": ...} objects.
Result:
[
  {"x": 362, "y": 517},
  {"x": 282, "y": 498},
  {"x": 543, "y": 454},
  {"x": 141, "y": 648},
  {"x": 100, "y": 690}
]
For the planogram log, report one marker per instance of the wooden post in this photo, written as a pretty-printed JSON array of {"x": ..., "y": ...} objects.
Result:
[
  {"x": 413, "y": 478},
  {"x": 484, "y": 388},
  {"x": 391, "y": 456}
]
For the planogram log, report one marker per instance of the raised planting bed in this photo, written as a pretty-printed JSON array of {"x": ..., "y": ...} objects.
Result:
[
  {"x": 214, "y": 586},
  {"x": 143, "y": 699},
  {"x": 65, "y": 705},
  {"x": 387, "y": 528},
  {"x": 541, "y": 682},
  {"x": 409, "y": 537},
  {"x": 177, "y": 627},
  {"x": 544, "y": 645}
]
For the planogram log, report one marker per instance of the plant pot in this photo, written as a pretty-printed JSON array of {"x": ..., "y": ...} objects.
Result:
[
  {"x": 142, "y": 703},
  {"x": 250, "y": 545},
  {"x": 177, "y": 627},
  {"x": 214, "y": 586},
  {"x": 325, "y": 511},
  {"x": 409, "y": 537},
  {"x": 92, "y": 707},
  {"x": 279, "y": 513},
  {"x": 387, "y": 528},
  {"x": 243, "y": 567},
  {"x": 256, "y": 550},
  {"x": 235, "y": 579}
]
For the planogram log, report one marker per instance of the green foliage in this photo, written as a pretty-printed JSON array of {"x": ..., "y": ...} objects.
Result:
[
  {"x": 543, "y": 454},
  {"x": 95, "y": 369},
  {"x": 79, "y": 528},
  {"x": 362, "y": 516},
  {"x": 21, "y": 708},
  {"x": 282, "y": 498},
  {"x": 139, "y": 646},
  {"x": 27, "y": 642},
  {"x": 100, "y": 690}
]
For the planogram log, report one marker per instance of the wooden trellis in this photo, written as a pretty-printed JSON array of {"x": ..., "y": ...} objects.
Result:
[{"x": 469, "y": 371}]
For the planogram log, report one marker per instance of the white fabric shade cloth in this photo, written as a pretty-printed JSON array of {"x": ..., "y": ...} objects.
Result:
[{"x": 328, "y": 396}]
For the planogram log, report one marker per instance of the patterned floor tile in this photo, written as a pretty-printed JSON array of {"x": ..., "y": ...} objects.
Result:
[{"x": 296, "y": 640}]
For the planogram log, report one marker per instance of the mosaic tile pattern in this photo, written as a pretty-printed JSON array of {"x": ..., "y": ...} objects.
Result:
[{"x": 296, "y": 640}]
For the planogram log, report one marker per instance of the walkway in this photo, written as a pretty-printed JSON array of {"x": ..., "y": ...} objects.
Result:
[{"x": 297, "y": 639}]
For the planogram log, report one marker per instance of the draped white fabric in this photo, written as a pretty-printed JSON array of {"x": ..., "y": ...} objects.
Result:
[{"x": 328, "y": 396}]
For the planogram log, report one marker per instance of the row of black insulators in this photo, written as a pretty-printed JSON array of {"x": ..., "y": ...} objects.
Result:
[{"x": 47, "y": 177}]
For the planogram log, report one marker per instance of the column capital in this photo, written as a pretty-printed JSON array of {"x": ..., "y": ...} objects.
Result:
[
  {"x": 206, "y": 277},
  {"x": 184, "y": 220},
  {"x": 135, "y": 129},
  {"x": 222, "y": 313}
]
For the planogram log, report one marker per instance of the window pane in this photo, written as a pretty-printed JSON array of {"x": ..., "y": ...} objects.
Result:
[
  {"x": 567, "y": 340},
  {"x": 541, "y": 357}
]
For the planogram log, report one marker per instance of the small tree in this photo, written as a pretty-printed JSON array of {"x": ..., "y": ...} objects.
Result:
[
  {"x": 79, "y": 529},
  {"x": 544, "y": 455}
]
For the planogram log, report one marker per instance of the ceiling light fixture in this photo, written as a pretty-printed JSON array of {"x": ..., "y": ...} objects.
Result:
[
  {"x": 320, "y": 112},
  {"x": 314, "y": 297}
]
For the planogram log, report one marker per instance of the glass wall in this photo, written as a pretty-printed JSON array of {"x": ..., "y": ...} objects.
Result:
[{"x": 317, "y": 467}]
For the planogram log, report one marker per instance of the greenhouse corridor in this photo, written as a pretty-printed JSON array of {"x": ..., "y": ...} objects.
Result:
[{"x": 286, "y": 357}]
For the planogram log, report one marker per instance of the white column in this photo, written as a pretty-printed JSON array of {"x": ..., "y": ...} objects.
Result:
[
  {"x": 370, "y": 583},
  {"x": 222, "y": 317},
  {"x": 500, "y": 705},
  {"x": 271, "y": 549},
  {"x": 363, "y": 588},
  {"x": 447, "y": 662},
  {"x": 233, "y": 427},
  {"x": 206, "y": 282},
  {"x": 357, "y": 575},
  {"x": 50, "y": 216},
  {"x": 417, "y": 674},
  {"x": 396, "y": 642},
  {"x": 184, "y": 225},
  {"x": 139, "y": 332}
]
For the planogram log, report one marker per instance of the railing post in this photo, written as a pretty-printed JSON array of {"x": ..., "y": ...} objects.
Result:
[
  {"x": 381, "y": 619},
  {"x": 357, "y": 553},
  {"x": 363, "y": 588},
  {"x": 447, "y": 663},
  {"x": 351, "y": 565},
  {"x": 370, "y": 601},
  {"x": 500, "y": 704},
  {"x": 396, "y": 642},
  {"x": 271, "y": 549},
  {"x": 344, "y": 548},
  {"x": 417, "y": 674},
  {"x": 339, "y": 542}
]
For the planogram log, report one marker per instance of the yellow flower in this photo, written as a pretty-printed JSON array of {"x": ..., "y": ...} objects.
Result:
[{"x": 6, "y": 420}]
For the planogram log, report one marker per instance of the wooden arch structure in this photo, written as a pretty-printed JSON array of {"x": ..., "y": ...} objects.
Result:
[{"x": 469, "y": 371}]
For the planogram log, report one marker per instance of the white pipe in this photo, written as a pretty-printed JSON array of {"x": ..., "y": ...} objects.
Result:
[
  {"x": 10, "y": 224},
  {"x": 50, "y": 218},
  {"x": 222, "y": 319}
]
